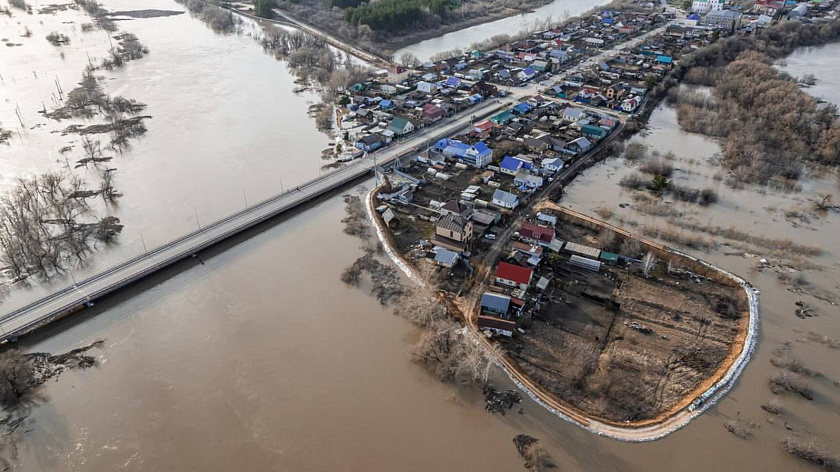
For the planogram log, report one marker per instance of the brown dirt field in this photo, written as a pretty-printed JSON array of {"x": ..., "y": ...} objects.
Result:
[{"x": 620, "y": 374}]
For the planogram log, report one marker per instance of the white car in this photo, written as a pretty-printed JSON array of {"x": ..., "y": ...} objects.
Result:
[{"x": 490, "y": 236}]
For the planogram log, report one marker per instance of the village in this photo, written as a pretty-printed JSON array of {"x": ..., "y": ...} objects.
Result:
[
  {"x": 481, "y": 209},
  {"x": 611, "y": 59}
]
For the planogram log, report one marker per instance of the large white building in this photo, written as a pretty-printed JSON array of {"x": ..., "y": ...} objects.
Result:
[{"x": 705, "y": 6}]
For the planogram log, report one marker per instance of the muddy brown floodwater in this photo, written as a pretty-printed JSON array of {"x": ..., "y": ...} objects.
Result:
[{"x": 257, "y": 357}]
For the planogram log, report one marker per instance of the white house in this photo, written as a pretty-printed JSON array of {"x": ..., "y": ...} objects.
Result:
[
  {"x": 427, "y": 87},
  {"x": 528, "y": 180},
  {"x": 572, "y": 114},
  {"x": 705, "y": 6},
  {"x": 630, "y": 104},
  {"x": 552, "y": 164},
  {"x": 504, "y": 199}
]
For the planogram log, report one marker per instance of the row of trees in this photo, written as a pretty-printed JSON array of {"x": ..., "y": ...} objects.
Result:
[{"x": 219, "y": 19}]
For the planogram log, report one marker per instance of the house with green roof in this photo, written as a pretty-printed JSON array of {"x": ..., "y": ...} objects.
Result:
[
  {"x": 503, "y": 118},
  {"x": 401, "y": 126}
]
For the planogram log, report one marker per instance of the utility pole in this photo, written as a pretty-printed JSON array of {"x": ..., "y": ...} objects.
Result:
[
  {"x": 245, "y": 197},
  {"x": 195, "y": 210},
  {"x": 143, "y": 240},
  {"x": 375, "y": 172}
]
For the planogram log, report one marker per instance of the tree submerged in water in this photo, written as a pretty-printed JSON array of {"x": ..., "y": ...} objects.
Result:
[{"x": 45, "y": 224}]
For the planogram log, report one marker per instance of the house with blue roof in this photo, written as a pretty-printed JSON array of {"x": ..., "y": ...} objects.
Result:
[
  {"x": 510, "y": 165},
  {"x": 522, "y": 108},
  {"x": 477, "y": 155},
  {"x": 495, "y": 304},
  {"x": 386, "y": 104},
  {"x": 664, "y": 59},
  {"x": 503, "y": 74},
  {"x": 452, "y": 82},
  {"x": 527, "y": 74}
]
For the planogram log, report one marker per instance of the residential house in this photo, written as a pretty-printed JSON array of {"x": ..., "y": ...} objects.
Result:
[
  {"x": 530, "y": 181},
  {"x": 397, "y": 74},
  {"x": 427, "y": 87},
  {"x": 432, "y": 113},
  {"x": 536, "y": 234},
  {"x": 477, "y": 155},
  {"x": 769, "y": 7},
  {"x": 552, "y": 165},
  {"x": 495, "y": 304},
  {"x": 484, "y": 89},
  {"x": 727, "y": 19},
  {"x": 450, "y": 208},
  {"x": 521, "y": 108},
  {"x": 514, "y": 276},
  {"x": 503, "y": 118},
  {"x": 526, "y": 74},
  {"x": 579, "y": 145},
  {"x": 594, "y": 132},
  {"x": 452, "y": 82},
  {"x": 453, "y": 232},
  {"x": 553, "y": 143},
  {"x": 504, "y": 199},
  {"x": 573, "y": 115},
  {"x": 484, "y": 129},
  {"x": 535, "y": 145},
  {"x": 559, "y": 55},
  {"x": 705, "y": 6},
  {"x": 446, "y": 258},
  {"x": 370, "y": 142},
  {"x": 608, "y": 123},
  {"x": 496, "y": 325},
  {"x": 401, "y": 126},
  {"x": 631, "y": 104}
]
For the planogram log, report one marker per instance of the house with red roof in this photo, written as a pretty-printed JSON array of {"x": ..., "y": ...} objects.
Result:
[
  {"x": 536, "y": 234},
  {"x": 432, "y": 112},
  {"x": 510, "y": 275}
]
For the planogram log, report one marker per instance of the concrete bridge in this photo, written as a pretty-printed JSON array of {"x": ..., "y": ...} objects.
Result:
[{"x": 85, "y": 292}]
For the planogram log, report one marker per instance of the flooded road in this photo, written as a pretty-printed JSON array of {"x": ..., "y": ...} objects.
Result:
[
  {"x": 462, "y": 39},
  {"x": 258, "y": 355}
]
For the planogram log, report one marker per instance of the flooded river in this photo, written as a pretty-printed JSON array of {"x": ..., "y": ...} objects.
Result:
[
  {"x": 226, "y": 127},
  {"x": 461, "y": 39},
  {"x": 258, "y": 357}
]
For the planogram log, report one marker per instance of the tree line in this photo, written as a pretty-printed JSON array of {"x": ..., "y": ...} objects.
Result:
[{"x": 397, "y": 15}]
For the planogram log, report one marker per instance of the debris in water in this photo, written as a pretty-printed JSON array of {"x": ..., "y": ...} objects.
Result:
[{"x": 499, "y": 401}]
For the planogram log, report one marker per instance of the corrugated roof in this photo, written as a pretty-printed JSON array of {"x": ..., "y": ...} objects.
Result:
[
  {"x": 582, "y": 250},
  {"x": 452, "y": 222},
  {"x": 495, "y": 302},
  {"x": 584, "y": 262},
  {"x": 540, "y": 233},
  {"x": 505, "y": 197},
  {"x": 515, "y": 273}
]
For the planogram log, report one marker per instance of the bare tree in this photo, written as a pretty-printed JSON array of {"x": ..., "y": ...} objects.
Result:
[
  {"x": 409, "y": 60},
  {"x": 649, "y": 263}
]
